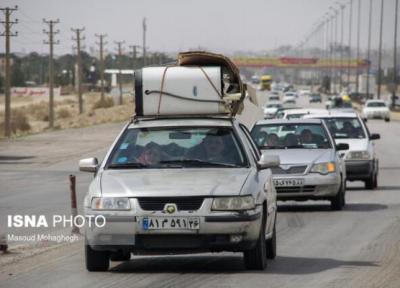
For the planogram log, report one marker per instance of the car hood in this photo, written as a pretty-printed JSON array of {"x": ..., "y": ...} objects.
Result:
[
  {"x": 302, "y": 156},
  {"x": 354, "y": 144},
  {"x": 173, "y": 182}
]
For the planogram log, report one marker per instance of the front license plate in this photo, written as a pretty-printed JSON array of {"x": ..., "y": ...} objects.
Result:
[
  {"x": 171, "y": 223},
  {"x": 288, "y": 182}
]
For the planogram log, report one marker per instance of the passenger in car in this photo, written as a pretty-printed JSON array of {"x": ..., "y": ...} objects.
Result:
[
  {"x": 348, "y": 129},
  {"x": 307, "y": 137},
  {"x": 291, "y": 140},
  {"x": 151, "y": 154},
  {"x": 273, "y": 140},
  {"x": 211, "y": 149}
]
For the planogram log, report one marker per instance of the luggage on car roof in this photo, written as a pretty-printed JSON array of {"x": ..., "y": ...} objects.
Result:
[{"x": 201, "y": 83}]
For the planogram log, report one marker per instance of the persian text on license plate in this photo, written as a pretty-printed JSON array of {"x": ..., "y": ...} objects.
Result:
[
  {"x": 288, "y": 182},
  {"x": 171, "y": 223}
]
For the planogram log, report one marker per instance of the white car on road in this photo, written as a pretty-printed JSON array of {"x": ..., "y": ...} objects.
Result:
[
  {"x": 362, "y": 162},
  {"x": 271, "y": 108},
  {"x": 376, "y": 109}
]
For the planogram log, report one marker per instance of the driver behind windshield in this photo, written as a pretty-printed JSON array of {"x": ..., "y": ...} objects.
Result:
[
  {"x": 151, "y": 154},
  {"x": 211, "y": 149},
  {"x": 307, "y": 137}
]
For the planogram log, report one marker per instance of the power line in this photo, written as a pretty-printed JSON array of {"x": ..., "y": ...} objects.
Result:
[{"x": 30, "y": 18}]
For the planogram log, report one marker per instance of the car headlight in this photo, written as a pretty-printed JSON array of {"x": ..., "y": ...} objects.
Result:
[
  {"x": 358, "y": 155},
  {"x": 324, "y": 168},
  {"x": 111, "y": 203},
  {"x": 233, "y": 203}
]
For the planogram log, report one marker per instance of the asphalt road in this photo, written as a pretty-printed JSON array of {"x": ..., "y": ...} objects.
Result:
[{"x": 356, "y": 247}]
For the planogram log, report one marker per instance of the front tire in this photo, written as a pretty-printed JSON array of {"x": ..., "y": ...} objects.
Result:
[
  {"x": 387, "y": 119},
  {"x": 338, "y": 201},
  {"x": 256, "y": 258},
  {"x": 371, "y": 182},
  {"x": 96, "y": 260},
  {"x": 271, "y": 245},
  {"x": 376, "y": 181}
]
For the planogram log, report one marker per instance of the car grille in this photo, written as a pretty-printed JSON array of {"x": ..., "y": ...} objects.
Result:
[
  {"x": 295, "y": 189},
  {"x": 182, "y": 203},
  {"x": 291, "y": 170}
]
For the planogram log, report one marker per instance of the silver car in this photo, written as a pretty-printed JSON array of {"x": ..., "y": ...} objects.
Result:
[
  {"x": 181, "y": 185},
  {"x": 310, "y": 165}
]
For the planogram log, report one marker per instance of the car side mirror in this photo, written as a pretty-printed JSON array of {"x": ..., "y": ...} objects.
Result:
[
  {"x": 375, "y": 136},
  {"x": 268, "y": 161},
  {"x": 342, "y": 146},
  {"x": 88, "y": 165}
]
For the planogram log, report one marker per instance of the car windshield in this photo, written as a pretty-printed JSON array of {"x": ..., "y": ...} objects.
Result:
[
  {"x": 343, "y": 128},
  {"x": 291, "y": 136},
  {"x": 177, "y": 147},
  {"x": 376, "y": 104}
]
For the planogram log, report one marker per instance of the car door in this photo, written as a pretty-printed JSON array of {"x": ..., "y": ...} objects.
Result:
[{"x": 265, "y": 177}]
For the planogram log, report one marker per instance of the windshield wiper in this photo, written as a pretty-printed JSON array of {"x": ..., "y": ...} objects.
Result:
[
  {"x": 197, "y": 163},
  {"x": 126, "y": 165},
  {"x": 271, "y": 147}
]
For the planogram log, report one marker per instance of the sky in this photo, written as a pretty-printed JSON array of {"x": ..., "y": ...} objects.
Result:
[{"x": 224, "y": 26}]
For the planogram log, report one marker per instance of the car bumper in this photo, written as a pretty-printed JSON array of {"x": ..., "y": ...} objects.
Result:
[
  {"x": 359, "y": 169},
  {"x": 315, "y": 186},
  {"x": 217, "y": 232},
  {"x": 377, "y": 115}
]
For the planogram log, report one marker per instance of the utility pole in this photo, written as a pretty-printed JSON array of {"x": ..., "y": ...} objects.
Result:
[
  {"x": 395, "y": 56},
  {"x": 380, "y": 53},
  {"x": 331, "y": 53},
  {"x": 119, "y": 48},
  {"x": 78, "y": 40},
  {"x": 341, "y": 46},
  {"x": 349, "y": 55},
  {"x": 369, "y": 46},
  {"x": 326, "y": 43},
  {"x": 101, "y": 44},
  {"x": 334, "y": 60},
  {"x": 144, "y": 41},
  {"x": 358, "y": 44},
  {"x": 7, "y": 33},
  {"x": 134, "y": 55},
  {"x": 51, "y": 43}
]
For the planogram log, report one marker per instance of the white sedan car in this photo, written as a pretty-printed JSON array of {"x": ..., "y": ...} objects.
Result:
[
  {"x": 376, "y": 109},
  {"x": 271, "y": 108}
]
